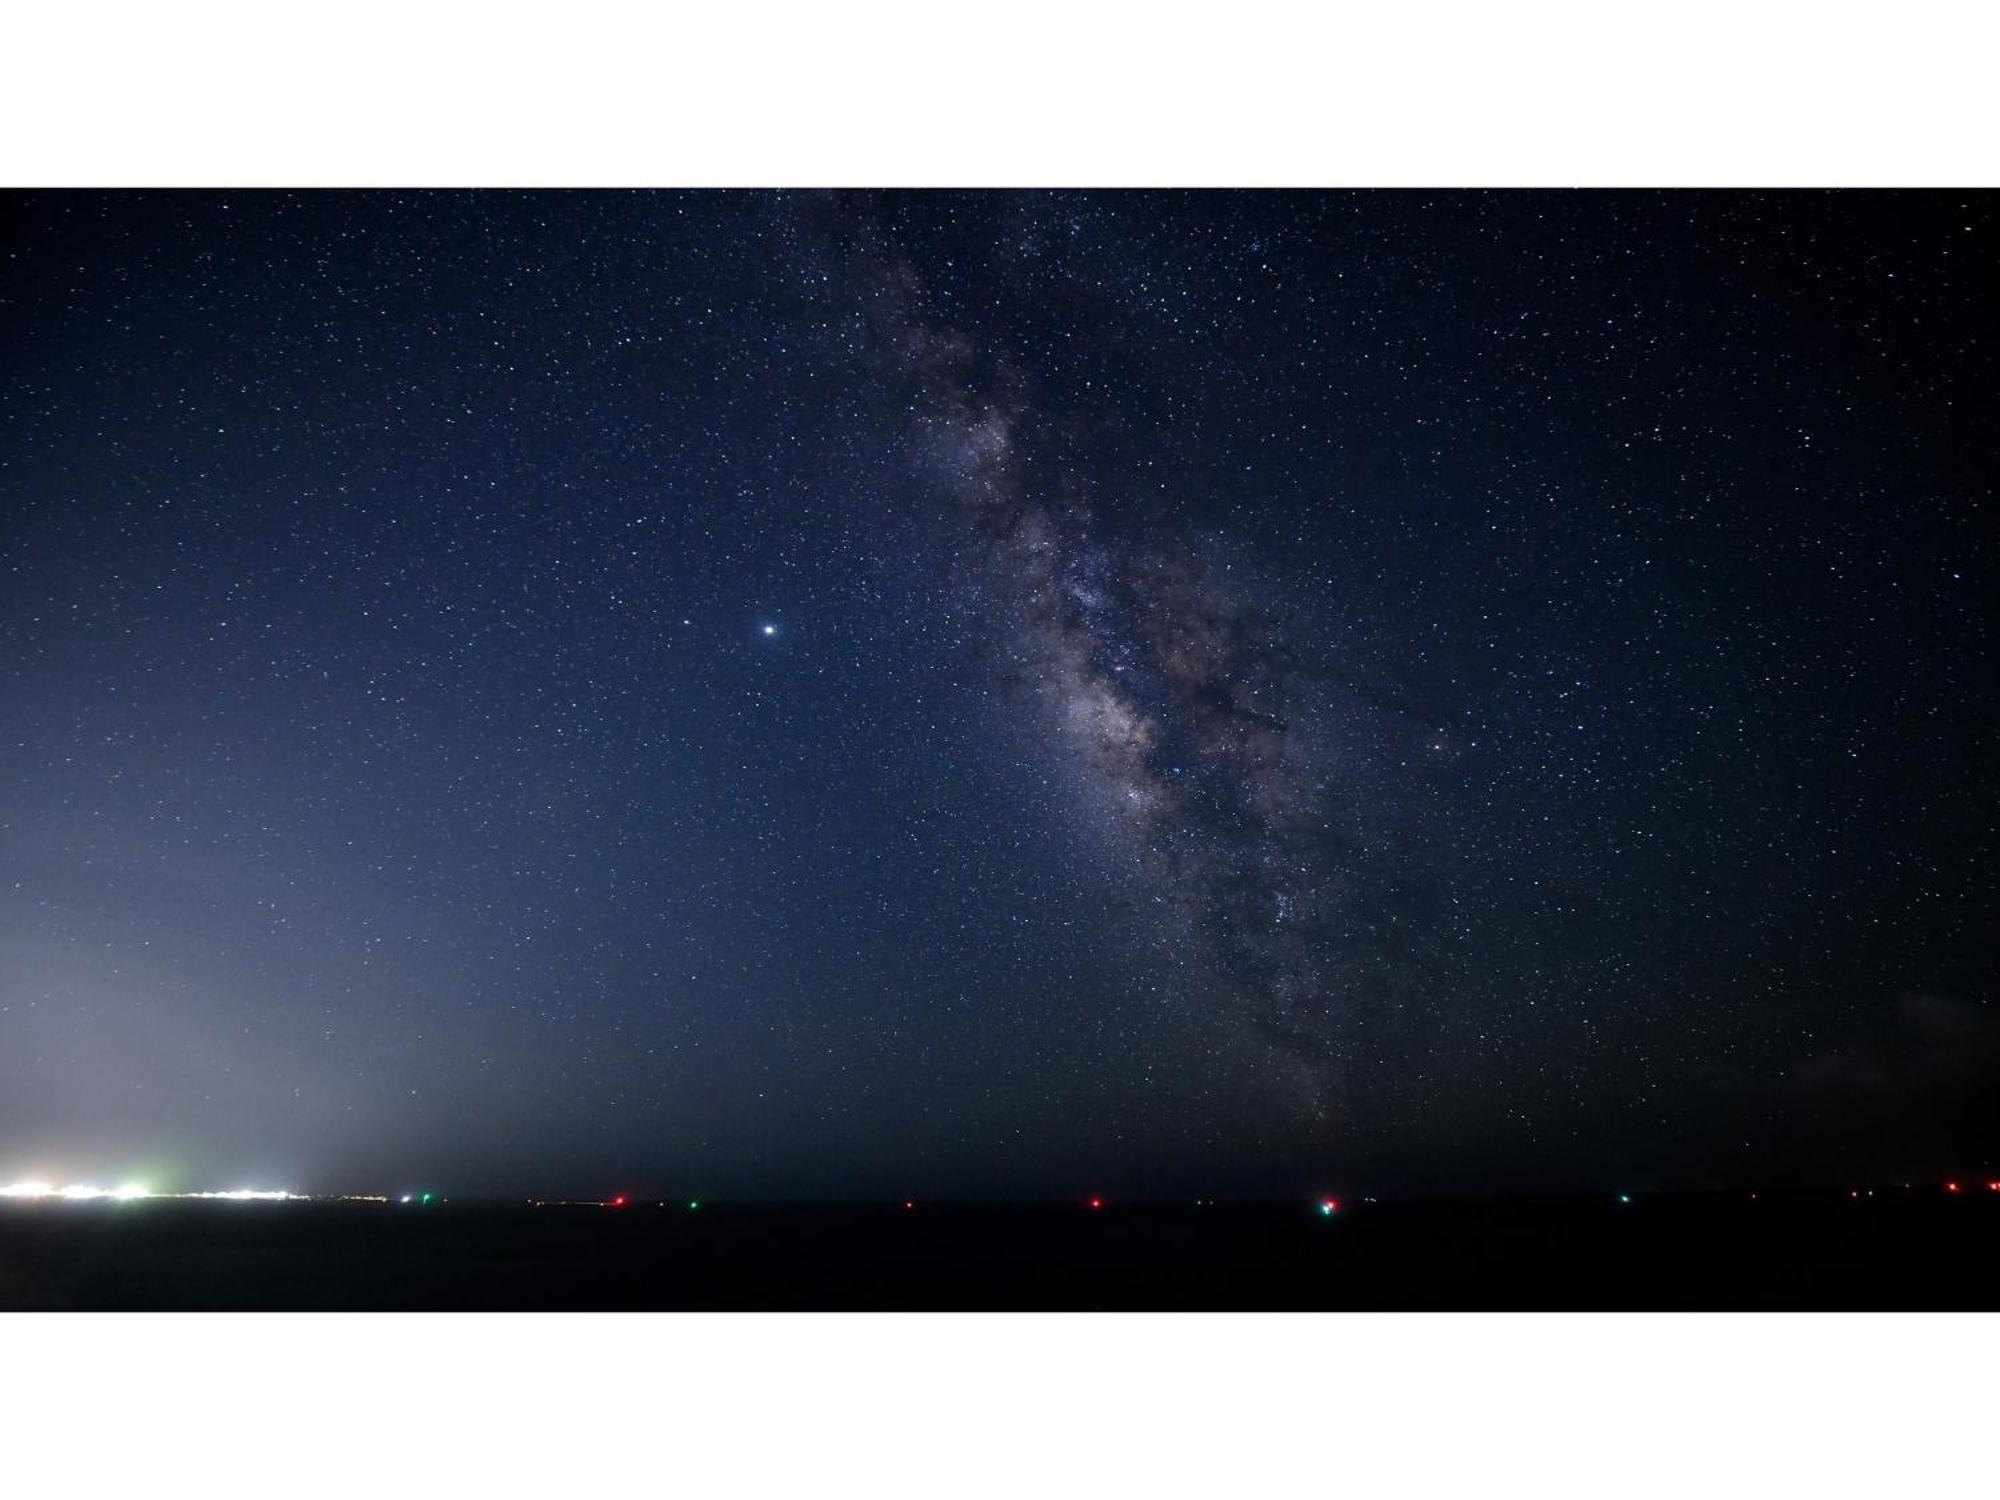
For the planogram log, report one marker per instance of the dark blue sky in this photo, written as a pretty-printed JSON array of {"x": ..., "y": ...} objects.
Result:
[{"x": 996, "y": 694}]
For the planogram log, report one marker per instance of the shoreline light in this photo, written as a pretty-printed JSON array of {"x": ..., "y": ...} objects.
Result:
[
  {"x": 131, "y": 1192},
  {"x": 245, "y": 1195}
]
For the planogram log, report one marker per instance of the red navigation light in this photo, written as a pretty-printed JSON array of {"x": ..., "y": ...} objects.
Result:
[
  {"x": 908, "y": 1205},
  {"x": 1854, "y": 1192},
  {"x": 1951, "y": 1187},
  {"x": 1329, "y": 1206},
  {"x": 619, "y": 1201},
  {"x": 1097, "y": 1203}
]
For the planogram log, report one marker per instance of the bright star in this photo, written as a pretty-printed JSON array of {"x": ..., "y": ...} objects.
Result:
[{"x": 770, "y": 629}]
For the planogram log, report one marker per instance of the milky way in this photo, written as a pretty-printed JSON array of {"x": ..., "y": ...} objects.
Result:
[{"x": 1164, "y": 681}]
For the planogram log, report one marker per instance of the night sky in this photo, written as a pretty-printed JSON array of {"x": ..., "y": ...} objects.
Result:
[{"x": 997, "y": 695}]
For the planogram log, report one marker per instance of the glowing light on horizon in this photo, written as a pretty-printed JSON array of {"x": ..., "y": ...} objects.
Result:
[
  {"x": 1328, "y": 1207},
  {"x": 246, "y": 1195},
  {"x": 132, "y": 1192}
]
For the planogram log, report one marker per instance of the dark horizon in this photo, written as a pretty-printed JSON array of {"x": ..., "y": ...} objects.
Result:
[
  {"x": 997, "y": 696},
  {"x": 1718, "y": 1252}
]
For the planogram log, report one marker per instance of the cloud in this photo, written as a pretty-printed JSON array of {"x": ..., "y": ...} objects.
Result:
[{"x": 1926, "y": 1052}]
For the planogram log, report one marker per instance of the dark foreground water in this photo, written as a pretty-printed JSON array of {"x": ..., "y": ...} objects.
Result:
[{"x": 1923, "y": 1250}]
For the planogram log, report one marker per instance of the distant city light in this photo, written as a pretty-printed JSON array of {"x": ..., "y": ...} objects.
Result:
[
  {"x": 132, "y": 1192},
  {"x": 85, "y": 1193},
  {"x": 246, "y": 1195},
  {"x": 404, "y": 1199}
]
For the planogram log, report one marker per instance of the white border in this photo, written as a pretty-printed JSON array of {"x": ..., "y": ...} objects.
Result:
[
  {"x": 1037, "y": 92},
  {"x": 974, "y": 1406}
]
